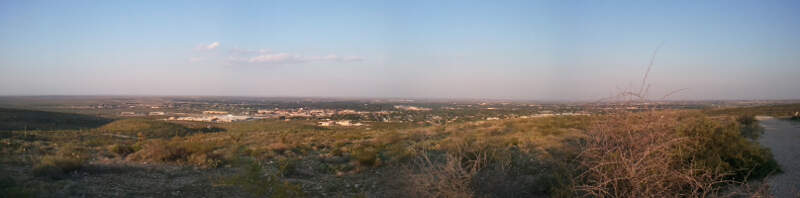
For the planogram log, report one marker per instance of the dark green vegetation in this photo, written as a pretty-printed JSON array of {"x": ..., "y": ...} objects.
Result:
[
  {"x": 145, "y": 128},
  {"x": 781, "y": 110},
  {"x": 645, "y": 154},
  {"x": 18, "y": 119},
  {"x": 749, "y": 126}
]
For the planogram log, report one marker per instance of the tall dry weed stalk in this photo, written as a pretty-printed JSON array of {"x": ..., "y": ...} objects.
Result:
[{"x": 631, "y": 154}]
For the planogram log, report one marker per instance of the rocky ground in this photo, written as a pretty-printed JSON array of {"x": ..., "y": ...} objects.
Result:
[
  {"x": 112, "y": 179},
  {"x": 117, "y": 178}
]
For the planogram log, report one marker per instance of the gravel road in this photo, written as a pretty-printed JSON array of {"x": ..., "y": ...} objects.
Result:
[{"x": 783, "y": 138}]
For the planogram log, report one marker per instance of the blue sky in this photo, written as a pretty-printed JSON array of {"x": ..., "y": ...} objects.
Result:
[{"x": 547, "y": 50}]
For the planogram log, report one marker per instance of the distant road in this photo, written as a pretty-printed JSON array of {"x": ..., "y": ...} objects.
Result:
[{"x": 783, "y": 138}]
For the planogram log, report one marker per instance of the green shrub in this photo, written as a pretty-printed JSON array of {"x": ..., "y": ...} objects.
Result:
[
  {"x": 366, "y": 156},
  {"x": 56, "y": 166},
  {"x": 121, "y": 150},
  {"x": 749, "y": 126},
  {"x": 722, "y": 146}
]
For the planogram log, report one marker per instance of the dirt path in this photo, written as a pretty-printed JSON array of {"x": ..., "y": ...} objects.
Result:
[{"x": 783, "y": 138}]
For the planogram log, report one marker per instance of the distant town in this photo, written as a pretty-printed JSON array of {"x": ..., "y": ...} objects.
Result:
[{"x": 340, "y": 112}]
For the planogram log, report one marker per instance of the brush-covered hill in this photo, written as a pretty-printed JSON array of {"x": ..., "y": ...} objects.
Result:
[
  {"x": 145, "y": 127},
  {"x": 22, "y": 119},
  {"x": 778, "y": 110}
]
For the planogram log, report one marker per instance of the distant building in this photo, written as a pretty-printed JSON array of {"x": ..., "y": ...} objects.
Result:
[
  {"x": 232, "y": 118},
  {"x": 348, "y": 123},
  {"x": 542, "y": 115},
  {"x": 340, "y": 123},
  {"x": 347, "y": 111},
  {"x": 224, "y": 118},
  {"x": 157, "y": 113},
  {"x": 327, "y": 123},
  {"x": 215, "y": 112},
  {"x": 411, "y": 108}
]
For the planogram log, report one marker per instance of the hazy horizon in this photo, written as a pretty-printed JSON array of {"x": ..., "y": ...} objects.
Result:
[{"x": 519, "y": 50}]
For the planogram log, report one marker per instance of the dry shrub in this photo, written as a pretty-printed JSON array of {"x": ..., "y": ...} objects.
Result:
[
  {"x": 663, "y": 154},
  {"x": 279, "y": 147},
  {"x": 757, "y": 189},
  {"x": 631, "y": 155},
  {"x": 450, "y": 177}
]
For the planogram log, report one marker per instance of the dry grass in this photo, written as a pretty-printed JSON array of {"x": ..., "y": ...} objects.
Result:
[
  {"x": 68, "y": 158},
  {"x": 56, "y": 166},
  {"x": 183, "y": 151},
  {"x": 662, "y": 153}
]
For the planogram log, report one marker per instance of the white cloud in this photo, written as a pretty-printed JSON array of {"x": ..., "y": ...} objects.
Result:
[
  {"x": 268, "y": 57},
  {"x": 263, "y": 56},
  {"x": 276, "y": 58},
  {"x": 211, "y": 46}
]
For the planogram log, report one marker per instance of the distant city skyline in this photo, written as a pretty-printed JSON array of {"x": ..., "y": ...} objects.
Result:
[{"x": 521, "y": 50}]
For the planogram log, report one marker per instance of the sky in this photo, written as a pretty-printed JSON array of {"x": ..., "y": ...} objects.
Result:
[{"x": 539, "y": 50}]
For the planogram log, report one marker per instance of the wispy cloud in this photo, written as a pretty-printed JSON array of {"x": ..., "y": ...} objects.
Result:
[
  {"x": 263, "y": 56},
  {"x": 211, "y": 46},
  {"x": 269, "y": 57}
]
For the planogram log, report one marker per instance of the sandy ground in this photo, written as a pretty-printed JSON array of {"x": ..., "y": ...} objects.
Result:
[{"x": 783, "y": 138}]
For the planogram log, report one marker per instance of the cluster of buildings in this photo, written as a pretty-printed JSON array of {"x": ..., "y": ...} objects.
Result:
[
  {"x": 226, "y": 116},
  {"x": 411, "y": 108},
  {"x": 340, "y": 123},
  {"x": 307, "y": 113},
  {"x": 213, "y": 118},
  {"x": 152, "y": 113},
  {"x": 300, "y": 112}
]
